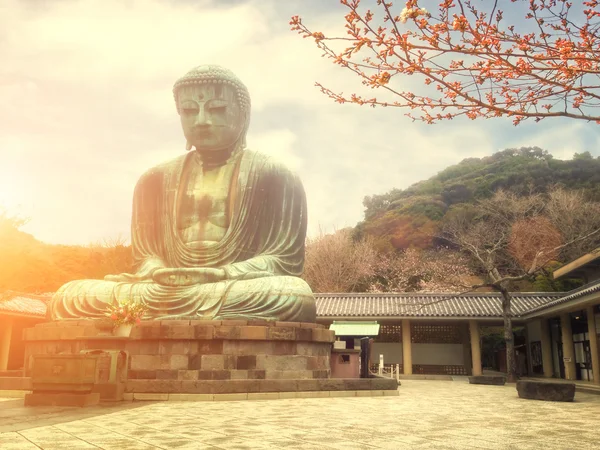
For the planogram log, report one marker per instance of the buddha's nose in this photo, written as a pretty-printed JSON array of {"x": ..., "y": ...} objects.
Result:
[{"x": 202, "y": 119}]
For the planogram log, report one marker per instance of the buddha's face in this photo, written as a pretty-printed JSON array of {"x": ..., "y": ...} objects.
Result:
[{"x": 211, "y": 116}]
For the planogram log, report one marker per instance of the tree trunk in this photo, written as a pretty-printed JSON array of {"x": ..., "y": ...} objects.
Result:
[{"x": 511, "y": 366}]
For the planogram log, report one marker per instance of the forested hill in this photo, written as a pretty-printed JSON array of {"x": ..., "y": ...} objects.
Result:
[{"x": 411, "y": 217}]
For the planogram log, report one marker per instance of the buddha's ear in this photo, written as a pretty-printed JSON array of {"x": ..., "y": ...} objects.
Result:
[{"x": 188, "y": 145}]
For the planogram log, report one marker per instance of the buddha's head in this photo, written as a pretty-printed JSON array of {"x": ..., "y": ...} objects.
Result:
[{"x": 214, "y": 107}]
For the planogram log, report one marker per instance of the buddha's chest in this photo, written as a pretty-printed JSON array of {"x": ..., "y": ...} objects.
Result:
[{"x": 203, "y": 212}]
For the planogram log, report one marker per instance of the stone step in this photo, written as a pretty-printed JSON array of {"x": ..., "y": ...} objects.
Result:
[
  {"x": 249, "y": 386},
  {"x": 15, "y": 384}
]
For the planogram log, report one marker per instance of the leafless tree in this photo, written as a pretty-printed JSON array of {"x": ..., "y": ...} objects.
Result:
[
  {"x": 512, "y": 238},
  {"x": 337, "y": 263}
]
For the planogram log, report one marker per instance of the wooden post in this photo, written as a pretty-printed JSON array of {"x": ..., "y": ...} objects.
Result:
[
  {"x": 475, "y": 347},
  {"x": 546, "y": 348},
  {"x": 6, "y": 325},
  {"x": 568, "y": 349},
  {"x": 406, "y": 347},
  {"x": 591, "y": 320}
]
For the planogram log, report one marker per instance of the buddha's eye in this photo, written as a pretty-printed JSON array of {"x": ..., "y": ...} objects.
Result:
[
  {"x": 189, "y": 108},
  {"x": 217, "y": 106}
]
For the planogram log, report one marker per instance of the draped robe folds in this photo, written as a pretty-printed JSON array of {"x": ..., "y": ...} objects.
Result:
[{"x": 262, "y": 251}]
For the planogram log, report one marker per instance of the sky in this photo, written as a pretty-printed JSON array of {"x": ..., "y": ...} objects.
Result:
[{"x": 87, "y": 107}]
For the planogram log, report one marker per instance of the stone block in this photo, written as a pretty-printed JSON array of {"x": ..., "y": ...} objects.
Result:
[
  {"x": 206, "y": 322},
  {"x": 187, "y": 374},
  {"x": 227, "y": 332},
  {"x": 214, "y": 374},
  {"x": 284, "y": 348},
  {"x": 29, "y": 334},
  {"x": 230, "y": 397},
  {"x": 145, "y": 362},
  {"x": 260, "y": 323},
  {"x": 70, "y": 332},
  {"x": 113, "y": 392},
  {"x": 176, "y": 347},
  {"x": 288, "y": 374},
  {"x": 239, "y": 374},
  {"x": 147, "y": 330},
  {"x": 247, "y": 347},
  {"x": 264, "y": 396},
  {"x": 548, "y": 391},
  {"x": 175, "y": 362},
  {"x": 323, "y": 335},
  {"x": 256, "y": 374},
  {"x": 62, "y": 399},
  {"x": 177, "y": 332},
  {"x": 309, "y": 385},
  {"x": 191, "y": 397},
  {"x": 246, "y": 362},
  {"x": 167, "y": 375},
  {"x": 304, "y": 334},
  {"x": 312, "y": 349},
  {"x": 150, "y": 397},
  {"x": 234, "y": 322},
  {"x": 308, "y": 325},
  {"x": 217, "y": 362},
  {"x": 253, "y": 333},
  {"x": 320, "y": 373},
  {"x": 278, "y": 385},
  {"x": 488, "y": 379},
  {"x": 174, "y": 322},
  {"x": 235, "y": 386},
  {"x": 210, "y": 347},
  {"x": 331, "y": 384},
  {"x": 141, "y": 374},
  {"x": 161, "y": 386},
  {"x": 281, "y": 333},
  {"x": 281, "y": 362},
  {"x": 15, "y": 384},
  {"x": 318, "y": 363},
  {"x": 143, "y": 347},
  {"x": 202, "y": 331},
  {"x": 48, "y": 334},
  {"x": 382, "y": 384},
  {"x": 288, "y": 324}
]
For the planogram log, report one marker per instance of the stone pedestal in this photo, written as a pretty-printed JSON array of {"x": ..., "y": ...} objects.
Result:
[{"x": 166, "y": 358}]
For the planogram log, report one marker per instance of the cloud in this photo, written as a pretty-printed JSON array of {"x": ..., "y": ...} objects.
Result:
[{"x": 87, "y": 89}]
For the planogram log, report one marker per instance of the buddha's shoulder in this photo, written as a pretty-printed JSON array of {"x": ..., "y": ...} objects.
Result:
[
  {"x": 267, "y": 163},
  {"x": 166, "y": 167}
]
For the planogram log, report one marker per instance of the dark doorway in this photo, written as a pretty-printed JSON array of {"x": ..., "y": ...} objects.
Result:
[{"x": 581, "y": 346}]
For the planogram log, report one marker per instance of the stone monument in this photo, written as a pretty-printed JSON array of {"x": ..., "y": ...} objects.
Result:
[
  {"x": 217, "y": 233},
  {"x": 218, "y": 237}
]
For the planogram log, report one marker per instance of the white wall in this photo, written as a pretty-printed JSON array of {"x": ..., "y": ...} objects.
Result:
[
  {"x": 427, "y": 354},
  {"x": 438, "y": 354},
  {"x": 391, "y": 351}
]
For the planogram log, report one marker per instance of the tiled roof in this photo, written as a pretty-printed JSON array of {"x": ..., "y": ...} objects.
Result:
[
  {"x": 427, "y": 305},
  {"x": 589, "y": 288},
  {"x": 376, "y": 305},
  {"x": 24, "y": 304}
]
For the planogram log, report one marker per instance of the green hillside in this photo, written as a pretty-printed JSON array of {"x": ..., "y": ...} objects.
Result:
[{"x": 406, "y": 218}]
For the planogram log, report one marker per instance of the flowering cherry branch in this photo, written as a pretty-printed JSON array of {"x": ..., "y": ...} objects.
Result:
[{"x": 470, "y": 60}]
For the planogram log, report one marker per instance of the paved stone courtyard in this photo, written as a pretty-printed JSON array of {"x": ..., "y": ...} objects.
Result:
[{"x": 426, "y": 415}]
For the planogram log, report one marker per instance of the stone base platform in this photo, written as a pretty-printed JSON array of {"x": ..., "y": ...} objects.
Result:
[{"x": 196, "y": 356}]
